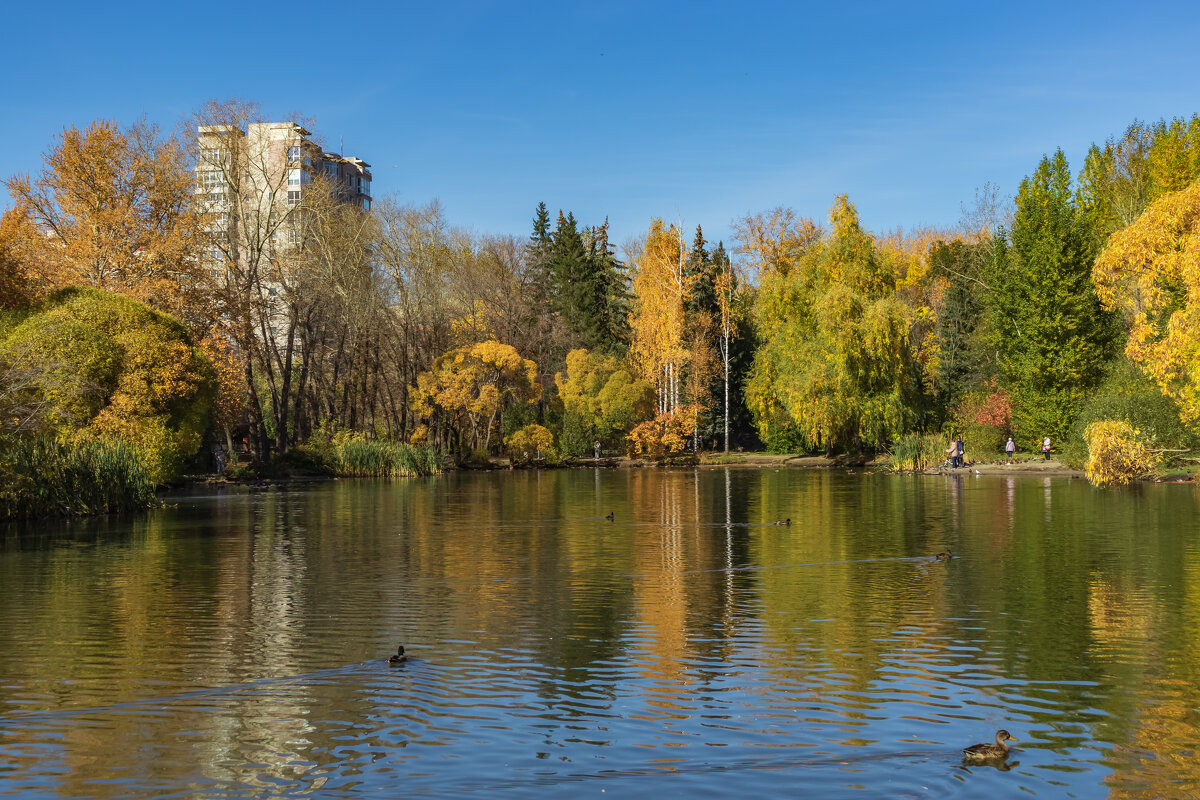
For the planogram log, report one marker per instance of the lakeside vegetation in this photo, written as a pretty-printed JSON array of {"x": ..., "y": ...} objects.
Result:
[{"x": 354, "y": 342}]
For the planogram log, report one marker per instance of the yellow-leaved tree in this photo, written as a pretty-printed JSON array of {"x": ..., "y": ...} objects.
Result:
[
  {"x": 1150, "y": 271},
  {"x": 661, "y": 286},
  {"x": 459, "y": 401}
]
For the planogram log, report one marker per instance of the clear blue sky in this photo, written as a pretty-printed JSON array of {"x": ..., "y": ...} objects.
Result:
[{"x": 697, "y": 111}]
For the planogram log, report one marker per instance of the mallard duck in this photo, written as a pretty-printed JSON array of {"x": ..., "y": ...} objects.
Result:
[
  {"x": 943, "y": 556},
  {"x": 787, "y": 521},
  {"x": 399, "y": 658},
  {"x": 611, "y": 516},
  {"x": 983, "y": 752}
]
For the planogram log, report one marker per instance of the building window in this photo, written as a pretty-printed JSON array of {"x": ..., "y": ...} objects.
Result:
[
  {"x": 294, "y": 153},
  {"x": 294, "y": 177},
  {"x": 293, "y": 198}
]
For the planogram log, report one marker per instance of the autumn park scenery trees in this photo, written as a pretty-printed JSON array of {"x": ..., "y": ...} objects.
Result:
[{"x": 165, "y": 295}]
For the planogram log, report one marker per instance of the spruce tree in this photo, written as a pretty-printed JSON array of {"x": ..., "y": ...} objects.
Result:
[{"x": 1052, "y": 335}]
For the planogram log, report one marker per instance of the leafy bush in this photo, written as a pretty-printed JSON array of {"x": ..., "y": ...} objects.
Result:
[
  {"x": 44, "y": 477},
  {"x": 528, "y": 443},
  {"x": 985, "y": 420},
  {"x": 663, "y": 437},
  {"x": 1117, "y": 453},
  {"x": 1128, "y": 394},
  {"x": 98, "y": 366}
]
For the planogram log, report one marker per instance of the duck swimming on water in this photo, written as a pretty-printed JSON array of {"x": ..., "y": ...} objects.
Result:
[
  {"x": 399, "y": 658},
  {"x": 943, "y": 556},
  {"x": 983, "y": 752},
  {"x": 787, "y": 521},
  {"x": 611, "y": 516}
]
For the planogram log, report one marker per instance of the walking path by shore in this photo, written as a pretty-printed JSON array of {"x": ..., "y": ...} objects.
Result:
[{"x": 1033, "y": 466}]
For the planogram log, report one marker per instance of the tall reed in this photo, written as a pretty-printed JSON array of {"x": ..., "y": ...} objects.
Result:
[
  {"x": 915, "y": 452},
  {"x": 355, "y": 456},
  {"x": 45, "y": 477}
]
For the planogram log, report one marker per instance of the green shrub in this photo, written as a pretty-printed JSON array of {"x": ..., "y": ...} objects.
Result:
[
  {"x": 1128, "y": 394},
  {"x": 44, "y": 477}
]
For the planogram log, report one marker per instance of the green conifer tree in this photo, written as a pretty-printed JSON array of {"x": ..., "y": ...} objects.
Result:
[{"x": 1052, "y": 336}]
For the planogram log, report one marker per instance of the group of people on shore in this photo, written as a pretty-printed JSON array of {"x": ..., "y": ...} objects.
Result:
[{"x": 957, "y": 451}]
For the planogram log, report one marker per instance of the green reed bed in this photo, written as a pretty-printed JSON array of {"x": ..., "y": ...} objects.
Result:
[
  {"x": 43, "y": 477},
  {"x": 361, "y": 458},
  {"x": 915, "y": 452}
]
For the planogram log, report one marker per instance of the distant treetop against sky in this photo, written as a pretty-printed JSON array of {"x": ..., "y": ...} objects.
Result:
[{"x": 697, "y": 112}]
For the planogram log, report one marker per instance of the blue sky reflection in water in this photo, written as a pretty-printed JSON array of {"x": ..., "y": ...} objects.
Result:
[{"x": 235, "y": 646}]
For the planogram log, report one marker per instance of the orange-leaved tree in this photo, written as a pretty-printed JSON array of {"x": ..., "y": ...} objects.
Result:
[{"x": 116, "y": 209}]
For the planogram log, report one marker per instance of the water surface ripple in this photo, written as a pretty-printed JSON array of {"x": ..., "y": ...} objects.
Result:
[{"x": 235, "y": 646}]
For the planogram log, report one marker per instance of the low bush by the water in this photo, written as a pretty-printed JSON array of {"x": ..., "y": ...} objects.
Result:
[
  {"x": 914, "y": 452},
  {"x": 359, "y": 457},
  {"x": 530, "y": 443},
  {"x": 44, "y": 477},
  {"x": 1117, "y": 453},
  {"x": 1128, "y": 394}
]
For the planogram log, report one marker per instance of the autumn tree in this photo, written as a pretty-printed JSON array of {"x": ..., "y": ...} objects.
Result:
[
  {"x": 834, "y": 368},
  {"x": 460, "y": 399},
  {"x": 116, "y": 209},
  {"x": 1149, "y": 273},
  {"x": 662, "y": 287},
  {"x": 602, "y": 401},
  {"x": 98, "y": 365}
]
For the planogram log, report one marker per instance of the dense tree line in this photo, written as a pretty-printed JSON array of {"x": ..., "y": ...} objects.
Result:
[{"x": 319, "y": 316}]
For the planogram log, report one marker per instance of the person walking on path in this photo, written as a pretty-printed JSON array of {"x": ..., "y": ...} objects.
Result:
[
  {"x": 962, "y": 451},
  {"x": 1046, "y": 447},
  {"x": 1009, "y": 449}
]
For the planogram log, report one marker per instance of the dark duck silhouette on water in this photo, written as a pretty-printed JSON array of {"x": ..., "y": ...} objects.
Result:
[
  {"x": 787, "y": 521},
  {"x": 987, "y": 752},
  {"x": 611, "y": 516},
  {"x": 943, "y": 556},
  {"x": 399, "y": 658}
]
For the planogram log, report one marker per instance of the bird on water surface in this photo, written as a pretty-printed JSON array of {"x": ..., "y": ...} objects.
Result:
[
  {"x": 983, "y": 752},
  {"x": 611, "y": 516},
  {"x": 399, "y": 658},
  {"x": 787, "y": 521},
  {"x": 943, "y": 556}
]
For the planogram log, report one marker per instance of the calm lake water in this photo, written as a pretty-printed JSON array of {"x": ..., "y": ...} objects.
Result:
[{"x": 234, "y": 646}]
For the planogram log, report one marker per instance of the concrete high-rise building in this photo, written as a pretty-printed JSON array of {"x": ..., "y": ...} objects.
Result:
[{"x": 253, "y": 177}]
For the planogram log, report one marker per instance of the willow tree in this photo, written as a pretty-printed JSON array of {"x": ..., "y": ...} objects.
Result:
[
  {"x": 834, "y": 369},
  {"x": 1150, "y": 272}
]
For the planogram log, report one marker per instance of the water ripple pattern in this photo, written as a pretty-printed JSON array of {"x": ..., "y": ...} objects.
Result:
[{"x": 236, "y": 646}]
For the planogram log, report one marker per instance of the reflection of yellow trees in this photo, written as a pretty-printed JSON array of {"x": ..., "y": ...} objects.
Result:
[{"x": 1157, "y": 756}]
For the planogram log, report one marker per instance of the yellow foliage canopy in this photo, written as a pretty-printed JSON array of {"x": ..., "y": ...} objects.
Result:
[
  {"x": 468, "y": 387},
  {"x": 1117, "y": 453},
  {"x": 1150, "y": 272}
]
